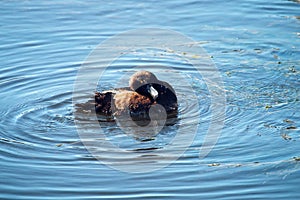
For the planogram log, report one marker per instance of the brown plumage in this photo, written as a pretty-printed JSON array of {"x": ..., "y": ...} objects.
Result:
[{"x": 144, "y": 91}]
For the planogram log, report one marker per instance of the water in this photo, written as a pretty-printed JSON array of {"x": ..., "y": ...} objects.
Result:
[{"x": 254, "y": 45}]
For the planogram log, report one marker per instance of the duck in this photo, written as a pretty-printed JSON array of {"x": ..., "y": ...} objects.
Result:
[{"x": 144, "y": 91}]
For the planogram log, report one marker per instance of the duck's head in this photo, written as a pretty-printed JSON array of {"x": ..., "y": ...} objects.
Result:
[{"x": 142, "y": 82}]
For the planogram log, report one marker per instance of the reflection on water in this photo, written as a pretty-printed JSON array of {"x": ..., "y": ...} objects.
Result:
[{"x": 255, "y": 46}]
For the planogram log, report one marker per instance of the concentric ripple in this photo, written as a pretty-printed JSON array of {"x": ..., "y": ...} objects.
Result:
[{"x": 255, "y": 46}]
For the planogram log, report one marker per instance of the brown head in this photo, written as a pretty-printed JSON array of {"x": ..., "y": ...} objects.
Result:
[
  {"x": 142, "y": 81},
  {"x": 141, "y": 78}
]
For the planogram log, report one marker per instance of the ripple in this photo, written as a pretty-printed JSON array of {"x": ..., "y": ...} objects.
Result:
[
  {"x": 36, "y": 105},
  {"x": 186, "y": 84},
  {"x": 43, "y": 45}
]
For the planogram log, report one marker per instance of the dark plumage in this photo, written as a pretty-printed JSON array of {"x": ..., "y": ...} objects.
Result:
[{"x": 144, "y": 91}]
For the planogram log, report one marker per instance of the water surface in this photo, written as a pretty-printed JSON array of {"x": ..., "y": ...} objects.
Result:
[{"x": 255, "y": 47}]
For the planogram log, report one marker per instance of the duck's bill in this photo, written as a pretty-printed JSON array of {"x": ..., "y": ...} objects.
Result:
[{"x": 153, "y": 92}]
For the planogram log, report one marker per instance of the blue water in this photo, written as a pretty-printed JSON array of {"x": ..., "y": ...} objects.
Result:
[{"x": 253, "y": 44}]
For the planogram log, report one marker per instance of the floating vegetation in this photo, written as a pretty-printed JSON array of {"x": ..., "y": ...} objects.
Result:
[
  {"x": 257, "y": 50},
  {"x": 286, "y": 136},
  {"x": 270, "y": 126},
  {"x": 291, "y": 128},
  {"x": 233, "y": 50},
  {"x": 288, "y": 121},
  {"x": 292, "y": 69},
  {"x": 214, "y": 164},
  {"x": 296, "y": 159},
  {"x": 14, "y": 141},
  {"x": 195, "y": 56},
  {"x": 254, "y": 163},
  {"x": 267, "y": 107},
  {"x": 228, "y": 73}
]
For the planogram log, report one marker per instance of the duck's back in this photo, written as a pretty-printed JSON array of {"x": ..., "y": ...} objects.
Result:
[{"x": 123, "y": 102}]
